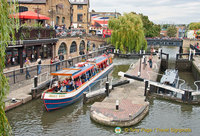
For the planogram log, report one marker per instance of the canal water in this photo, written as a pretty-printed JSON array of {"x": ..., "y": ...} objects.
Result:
[{"x": 32, "y": 118}]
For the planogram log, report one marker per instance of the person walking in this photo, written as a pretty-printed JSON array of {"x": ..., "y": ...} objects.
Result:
[
  {"x": 150, "y": 61},
  {"x": 27, "y": 64},
  {"x": 39, "y": 62}
]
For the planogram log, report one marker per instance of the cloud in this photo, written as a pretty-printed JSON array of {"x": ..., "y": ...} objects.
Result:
[{"x": 159, "y": 11}]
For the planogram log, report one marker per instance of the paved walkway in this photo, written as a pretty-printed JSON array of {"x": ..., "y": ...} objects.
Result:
[
  {"x": 132, "y": 105},
  {"x": 22, "y": 95}
]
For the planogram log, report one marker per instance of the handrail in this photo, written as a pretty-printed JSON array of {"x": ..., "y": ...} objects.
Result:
[
  {"x": 53, "y": 63},
  {"x": 197, "y": 88}
]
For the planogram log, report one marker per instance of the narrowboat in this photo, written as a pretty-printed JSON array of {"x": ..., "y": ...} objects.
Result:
[
  {"x": 84, "y": 74},
  {"x": 170, "y": 77}
]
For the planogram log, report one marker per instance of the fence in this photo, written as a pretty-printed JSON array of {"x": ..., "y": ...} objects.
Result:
[{"x": 24, "y": 74}]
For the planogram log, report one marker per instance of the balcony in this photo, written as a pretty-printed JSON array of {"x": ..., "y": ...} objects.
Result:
[{"x": 34, "y": 33}]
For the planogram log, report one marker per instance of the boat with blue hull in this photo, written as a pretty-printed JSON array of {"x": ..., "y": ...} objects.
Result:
[{"x": 86, "y": 73}]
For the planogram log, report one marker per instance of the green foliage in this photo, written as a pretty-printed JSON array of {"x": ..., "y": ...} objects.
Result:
[
  {"x": 171, "y": 31},
  {"x": 150, "y": 29},
  {"x": 127, "y": 33},
  {"x": 7, "y": 26},
  {"x": 194, "y": 26},
  {"x": 33, "y": 25}
]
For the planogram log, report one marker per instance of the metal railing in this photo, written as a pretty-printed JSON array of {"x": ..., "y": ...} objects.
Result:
[{"x": 27, "y": 73}]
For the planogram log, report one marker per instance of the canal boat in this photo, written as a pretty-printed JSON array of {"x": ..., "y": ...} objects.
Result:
[
  {"x": 85, "y": 72},
  {"x": 170, "y": 77}
]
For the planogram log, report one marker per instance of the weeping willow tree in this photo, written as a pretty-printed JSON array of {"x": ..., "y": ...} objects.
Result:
[
  {"x": 7, "y": 26},
  {"x": 127, "y": 33}
]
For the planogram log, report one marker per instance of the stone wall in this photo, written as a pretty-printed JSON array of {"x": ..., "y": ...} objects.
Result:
[
  {"x": 84, "y": 12},
  {"x": 195, "y": 72},
  {"x": 68, "y": 42},
  {"x": 52, "y": 11}
]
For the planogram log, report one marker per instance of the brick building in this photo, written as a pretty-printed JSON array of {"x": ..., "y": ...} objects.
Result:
[
  {"x": 59, "y": 11},
  {"x": 80, "y": 13}
]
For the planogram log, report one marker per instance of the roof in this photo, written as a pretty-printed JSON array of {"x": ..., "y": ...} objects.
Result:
[
  {"x": 98, "y": 60},
  {"x": 66, "y": 72},
  {"x": 73, "y": 71},
  {"x": 30, "y": 1},
  {"x": 79, "y": 2}
]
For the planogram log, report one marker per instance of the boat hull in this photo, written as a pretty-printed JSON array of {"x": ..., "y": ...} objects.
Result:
[{"x": 53, "y": 101}]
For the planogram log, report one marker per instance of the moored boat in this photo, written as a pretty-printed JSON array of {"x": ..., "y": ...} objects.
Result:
[
  {"x": 170, "y": 77},
  {"x": 77, "y": 80}
]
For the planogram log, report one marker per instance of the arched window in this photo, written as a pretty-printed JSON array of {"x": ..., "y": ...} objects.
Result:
[
  {"x": 22, "y": 9},
  {"x": 88, "y": 45},
  {"x": 63, "y": 20},
  {"x": 57, "y": 20},
  {"x": 62, "y": 49},
  {"x": 73, "y": 47},
  {"x": 94, "y": 47},
  {"x": 82, "y": 47}
]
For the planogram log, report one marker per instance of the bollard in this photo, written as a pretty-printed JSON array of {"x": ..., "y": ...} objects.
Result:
[
  {"x": 35, "y": 81},
  {"x": 33, "y": 93},
  {"x": 146, "y": 86},
  {"x": 84, "y": 98},
  {"x": 117, "y": 104},
  {"x": 107, "y": 88}
]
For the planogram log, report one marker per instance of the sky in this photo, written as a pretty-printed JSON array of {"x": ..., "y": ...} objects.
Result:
[{"x": 158, "y": 11}]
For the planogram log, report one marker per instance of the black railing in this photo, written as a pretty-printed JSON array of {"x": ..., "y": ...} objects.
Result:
[
  {"x": 31, "y": 33},
  {"x": 22, "y": 74}
]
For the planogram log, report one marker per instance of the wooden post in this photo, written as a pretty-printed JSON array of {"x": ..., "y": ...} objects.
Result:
[
  {"x": 107, "y": 88},
  {"x": 146, "y": 86},
  {"x": 35, "y": 81},
  {"x": 84, "y": 98}
]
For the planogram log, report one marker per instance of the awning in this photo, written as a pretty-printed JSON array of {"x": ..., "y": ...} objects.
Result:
[
  {"x": 66, "y": 72},
  {"x": 101, "y": 61},
  {"x": 83, "y": 71},
  {"x": 29, "y": 15}
]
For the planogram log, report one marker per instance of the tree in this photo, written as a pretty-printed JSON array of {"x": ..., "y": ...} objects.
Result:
[
  {"x": 150, "y": 29},
  {"x": 171, "y": 31},
  {"x": 7, "y": 26},
  {"x": 127, "y": 33},
  {"x": 194, "y": 26}
]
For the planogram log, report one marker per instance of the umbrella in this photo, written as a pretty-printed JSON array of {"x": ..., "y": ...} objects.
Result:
[{"x": 29, "y": 15}]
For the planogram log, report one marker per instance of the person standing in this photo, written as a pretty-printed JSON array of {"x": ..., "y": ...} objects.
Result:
[
  {"x": 27, "y": 64},
  {"x": 57, "y": 62},
  {"x": 61, "y": 57},
  {"x": 70, "y": 60},
  {"x": 39, "y": 62},
  {"x": 51, "y": 61}
]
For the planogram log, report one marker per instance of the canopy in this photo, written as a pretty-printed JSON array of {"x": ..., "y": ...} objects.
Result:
[
  {"x": 83, "y": 70},
  {"x": 66, "y": 72},
  {"x": 98, "y": 60},
  {"x": 29, "y": 15}
]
